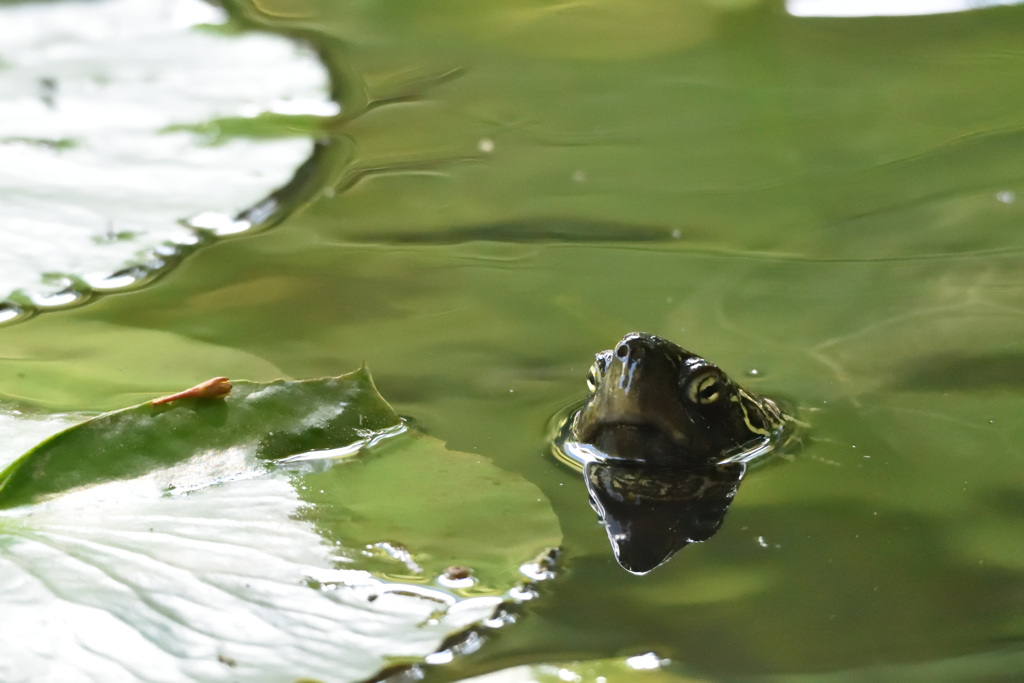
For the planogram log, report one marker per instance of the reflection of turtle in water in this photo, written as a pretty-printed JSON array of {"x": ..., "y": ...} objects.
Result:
[{"x": 664, "y": 438}]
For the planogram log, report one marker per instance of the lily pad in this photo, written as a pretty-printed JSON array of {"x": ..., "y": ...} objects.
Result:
[
  {"x": 265, "y": 421},
  {"x": 113, "y": 583},
  {"x": 96, "y": 106},
  {"x": 419, "y": 509},
  {"x": 177, "y": 542}
]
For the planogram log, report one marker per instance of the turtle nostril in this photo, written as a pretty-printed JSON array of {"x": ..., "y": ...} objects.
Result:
[{"x": 622, "y": 351}]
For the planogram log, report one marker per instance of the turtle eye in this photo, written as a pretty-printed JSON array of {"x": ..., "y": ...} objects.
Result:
[
  {"x": 597, "y": 371},
  {"x": 705, "y": 387}
]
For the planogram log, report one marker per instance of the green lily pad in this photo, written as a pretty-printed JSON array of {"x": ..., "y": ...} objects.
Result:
[
  {"x": 265, "y": 421},
  {"x": 107, "y": 135},
  {"x": 114, "y": 583},
  {"x": 189, "y": 538},
  {"x": 415, "y": 509}
]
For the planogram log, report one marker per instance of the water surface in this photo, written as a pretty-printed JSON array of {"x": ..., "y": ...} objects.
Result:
[{"x": 834, "y": 204}]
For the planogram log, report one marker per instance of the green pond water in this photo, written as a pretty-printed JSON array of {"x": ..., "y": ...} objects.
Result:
[{"x": 835, "y": 204}]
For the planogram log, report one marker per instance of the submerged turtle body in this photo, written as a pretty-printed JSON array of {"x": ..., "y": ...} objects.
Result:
[
  {"x": 663, "y": 439},
  {"x": 657, "y": 404}
]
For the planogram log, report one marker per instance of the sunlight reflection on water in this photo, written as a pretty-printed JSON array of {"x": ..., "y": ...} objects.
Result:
[{"x": 886, "y": 8}]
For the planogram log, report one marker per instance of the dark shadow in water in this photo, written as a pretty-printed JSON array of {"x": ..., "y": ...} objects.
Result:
[
  {"x": 539, "y": 231},
  {"x": 652, "y": 513}
]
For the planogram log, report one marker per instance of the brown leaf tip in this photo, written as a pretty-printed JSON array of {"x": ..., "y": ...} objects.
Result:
[{"x": 218, "y": 387}]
